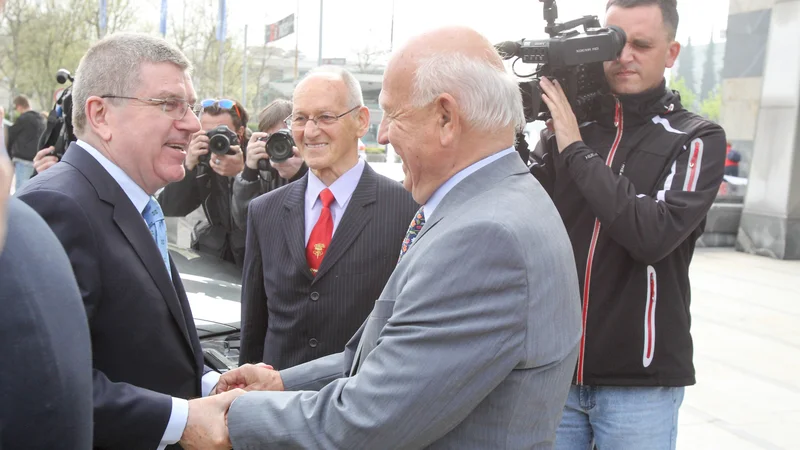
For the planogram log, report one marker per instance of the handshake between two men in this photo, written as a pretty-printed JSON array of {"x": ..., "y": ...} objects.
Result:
[{"x": 207, "y": 424}]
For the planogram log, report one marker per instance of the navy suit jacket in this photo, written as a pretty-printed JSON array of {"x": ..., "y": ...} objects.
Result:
[
  {"x": 46, "y": 380},
  {"x": 144, "y": 343}
]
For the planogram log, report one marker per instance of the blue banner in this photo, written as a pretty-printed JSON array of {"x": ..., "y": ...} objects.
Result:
[
  {"x": 162, "y": 28},
  {"x": 221, "y": 27},
  {"x": 103, "y": 16}
]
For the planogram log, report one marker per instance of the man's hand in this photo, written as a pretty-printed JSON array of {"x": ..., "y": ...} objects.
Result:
[
  {"x": 207, "y": 424},
  {"x": 289, "y": 168},
  {"x": 228, "y": 165},
  {"x": 44, "y": 160},
  {"x": 260, "y": 377},
  {"x": 197, "y": 147},
  {"x": 564, "y": 124},
  {"x": 256, "y": 150}
]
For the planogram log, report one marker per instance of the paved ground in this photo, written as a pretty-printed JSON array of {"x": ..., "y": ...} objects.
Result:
[{"x": 746, "y": 329}]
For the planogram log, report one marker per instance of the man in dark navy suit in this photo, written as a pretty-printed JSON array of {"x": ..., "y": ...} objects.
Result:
[
  {"x": 46, "y": 381},
  {"x": 134, "y": 116}
]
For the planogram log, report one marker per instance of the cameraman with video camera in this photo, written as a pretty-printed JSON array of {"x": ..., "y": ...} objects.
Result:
[
  {"x": 215, "y": 156},
  {"x": 633, "y": 186},
  {"x": 263, "y": 173}
]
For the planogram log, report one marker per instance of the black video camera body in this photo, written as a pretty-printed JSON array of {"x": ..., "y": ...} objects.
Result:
[
  {"x": 574, "y": 59},
  {"x": 58, "y": 132},
  {"x": 220, "y": 140},
  {"x": 279, "y": 147}
]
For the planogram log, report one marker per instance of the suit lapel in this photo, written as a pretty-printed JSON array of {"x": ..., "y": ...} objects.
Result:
[
  {"x": 355, "y": 218},
  {"x": 133, "y": 226},
  {"x": 295, "y": 224}
]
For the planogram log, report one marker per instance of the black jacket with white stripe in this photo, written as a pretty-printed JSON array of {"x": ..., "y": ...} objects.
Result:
[{"x": 633, "y": 196}]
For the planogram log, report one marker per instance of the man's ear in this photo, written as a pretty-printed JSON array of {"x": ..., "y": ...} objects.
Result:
[
  {"x": 673, "y": 51},
  {"x": 448, "y": 120},
  {"x": 363, "y": 121},
  {"x": 97, "y": 117}
]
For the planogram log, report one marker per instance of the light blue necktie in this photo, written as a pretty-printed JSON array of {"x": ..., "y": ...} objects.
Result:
[{"x": 158, "y": 228}]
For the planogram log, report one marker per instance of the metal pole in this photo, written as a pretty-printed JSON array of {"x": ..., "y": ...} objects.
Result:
[
  {"x": 221, "y": 69},
  {"x": 391, "y": 35},
  {"x": 244, "y": 71},
  {"x": 296, "y": 38},
  {"x": 319, "y": 58}
]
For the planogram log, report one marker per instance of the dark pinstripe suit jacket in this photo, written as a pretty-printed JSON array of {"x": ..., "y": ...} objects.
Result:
[{"x": 290, "y": 317}]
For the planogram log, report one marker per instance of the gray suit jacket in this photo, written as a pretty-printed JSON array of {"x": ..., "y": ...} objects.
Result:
[{"x": 472, "y": 344}]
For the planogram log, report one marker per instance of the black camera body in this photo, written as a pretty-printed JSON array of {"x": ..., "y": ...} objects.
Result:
[
  {"x": 574, "y": 59},
  {"x": 220, "y": 140},
  {"x": 279, "y": 147},
  {"x": 58, "y": 131}
]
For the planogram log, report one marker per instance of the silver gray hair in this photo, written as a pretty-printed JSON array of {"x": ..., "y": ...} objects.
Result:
[
  {"x": 354, "y": 95},
  {"x": 112, "y": 66},
  {"x": 488, "y": 97}
]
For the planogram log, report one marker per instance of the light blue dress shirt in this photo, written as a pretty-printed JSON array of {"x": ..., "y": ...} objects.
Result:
[
  {"x": 342, "y": 190},
  {"x": 139, "y": 198},
  {"x": 448, "y": 185}
]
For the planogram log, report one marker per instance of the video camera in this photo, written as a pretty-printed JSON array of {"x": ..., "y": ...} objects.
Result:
[
  {"x": 220, "y": 140},
  {"x": 58, "y": 132},
  {"x": 279, "y": 147},
  {"x": 574, "y": 59}
]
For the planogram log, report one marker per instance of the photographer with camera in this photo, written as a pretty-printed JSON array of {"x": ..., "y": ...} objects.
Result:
[
  {"x": 215, "y": 156},
  {"x": 264, "y": 171},
  {"x": 633, "y": 186}
]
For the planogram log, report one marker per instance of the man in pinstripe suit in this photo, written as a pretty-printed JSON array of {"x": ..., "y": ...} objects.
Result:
[{"x": 313, "y": 271}]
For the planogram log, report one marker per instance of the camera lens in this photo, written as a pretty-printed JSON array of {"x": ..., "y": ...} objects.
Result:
[
  {"x": 279, "y": 146},
  {"x": 219, "y": 144}
]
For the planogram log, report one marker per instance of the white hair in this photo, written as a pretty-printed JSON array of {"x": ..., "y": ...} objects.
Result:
[
  {"x": 354, "y": 95},
  {"x": 112, "y": 67},
  {"x": 488, "y": 97}
]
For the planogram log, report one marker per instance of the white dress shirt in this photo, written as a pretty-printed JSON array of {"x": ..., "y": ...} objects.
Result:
[
  {"x": 342, "y": 190},
  {"x": 448, "y": 185},
  {"x": 139, "y": 198}
]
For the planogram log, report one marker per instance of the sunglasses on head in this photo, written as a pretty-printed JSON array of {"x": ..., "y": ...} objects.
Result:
[{"x": 224, "y": 103}]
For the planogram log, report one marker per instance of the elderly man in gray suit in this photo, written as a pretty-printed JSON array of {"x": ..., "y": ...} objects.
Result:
[{"x": 473, "y": 342}]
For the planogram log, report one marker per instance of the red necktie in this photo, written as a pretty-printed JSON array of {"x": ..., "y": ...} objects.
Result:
[{"x": 320, "y": 238}]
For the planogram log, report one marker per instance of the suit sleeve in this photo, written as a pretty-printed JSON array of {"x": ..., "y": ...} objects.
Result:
[
  {"x": 123, "y": 413},
  {"x": 447, "y": 345},
  {"x": 180, "y": 198},
  {"x": 254, "y": 300},
  {"x": 651, "y": 226}
]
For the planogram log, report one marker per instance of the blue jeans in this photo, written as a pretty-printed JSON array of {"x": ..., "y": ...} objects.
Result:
[
  {"x": 620, "y": 418},
  {"x": 22, "y": 171}
]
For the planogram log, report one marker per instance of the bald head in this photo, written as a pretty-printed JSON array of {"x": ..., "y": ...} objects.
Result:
[
  {"x": 456, "y": 39},
  {"x": 448, "y": 102}
]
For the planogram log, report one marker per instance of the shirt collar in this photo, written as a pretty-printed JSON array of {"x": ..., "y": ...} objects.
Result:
[
  {"x": 135, "y": 193},
  {"x": 342, "y": 189},
  {"x": 448, "y": 185}
]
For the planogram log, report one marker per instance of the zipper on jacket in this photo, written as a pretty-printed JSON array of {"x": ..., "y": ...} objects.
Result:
[{"x": 618, "y": 123}]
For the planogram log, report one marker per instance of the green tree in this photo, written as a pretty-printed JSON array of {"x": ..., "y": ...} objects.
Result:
[
  {"x": 686, "y": 65},
  {"x": 688, "y": 97},
  {"x": 711, "y": 105},
  {"x": 709, "y": 80}
]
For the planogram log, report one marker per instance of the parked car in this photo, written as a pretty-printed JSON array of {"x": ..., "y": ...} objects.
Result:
[{"x": 213, "y": 287}]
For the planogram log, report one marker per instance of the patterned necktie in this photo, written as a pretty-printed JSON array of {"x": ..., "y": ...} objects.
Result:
[
  {"x": 321, "y": 234},
  {"x": 158, "y": 228},
  {"x": 413, "y": 230}
]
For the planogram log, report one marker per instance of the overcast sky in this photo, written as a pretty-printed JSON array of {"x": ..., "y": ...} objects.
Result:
[{"x": 350, "y": 25}]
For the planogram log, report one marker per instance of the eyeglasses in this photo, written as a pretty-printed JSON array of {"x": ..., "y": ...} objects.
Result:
[
  {"x": 299, "y": 121},
  {"x": 224, "y": 103},
  {"x": 174, "y": 107}
]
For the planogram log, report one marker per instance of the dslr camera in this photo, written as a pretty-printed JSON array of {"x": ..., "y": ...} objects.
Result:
[
  {"x": 220, "y": 140},
  {"x": 574, "y": 59},
  {"x": 58, "y": 131},
  {"x": 279, "y": 147}
]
